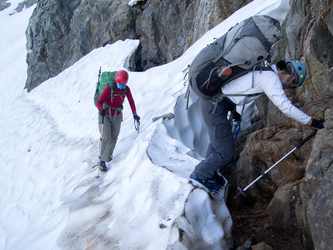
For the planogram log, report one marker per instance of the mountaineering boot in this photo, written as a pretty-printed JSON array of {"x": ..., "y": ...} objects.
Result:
[
  {"x": 211, "y": 184},
  {"x": 225, "y": 73},
  {"x": 102, "y": 166},
  {"x": 220, "y": 179}
]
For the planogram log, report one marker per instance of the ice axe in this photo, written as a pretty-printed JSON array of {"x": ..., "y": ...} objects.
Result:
[
  {"x": 242, "y": 191},
  {"x": 137, "y": 125}
]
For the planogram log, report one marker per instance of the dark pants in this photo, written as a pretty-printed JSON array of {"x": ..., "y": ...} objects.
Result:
[{"x": 221, "y": 149}]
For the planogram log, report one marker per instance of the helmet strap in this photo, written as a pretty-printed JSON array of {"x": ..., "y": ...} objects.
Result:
[{"x": 292, "y": 71}]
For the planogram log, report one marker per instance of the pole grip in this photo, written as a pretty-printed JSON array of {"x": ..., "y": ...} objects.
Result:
[{"x": 306, "y": 139}]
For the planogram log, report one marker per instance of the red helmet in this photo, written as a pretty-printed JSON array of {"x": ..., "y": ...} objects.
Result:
[{"x": 121, "y": 78}]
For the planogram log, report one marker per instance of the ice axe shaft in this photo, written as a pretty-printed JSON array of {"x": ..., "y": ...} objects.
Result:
[{"x": 298, "y": 145}]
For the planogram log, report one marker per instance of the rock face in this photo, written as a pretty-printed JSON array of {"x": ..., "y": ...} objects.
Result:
[
  {"x": 20, "y": 6},
  {"x": 61, "y": 32},
  {"x": 299, "y": 190},
  {"x": 309, "y": 38},
  {"x": 4, "y": 5},
  {"x": 167, "y": 28},
  {"x": 295, "y": 200}
]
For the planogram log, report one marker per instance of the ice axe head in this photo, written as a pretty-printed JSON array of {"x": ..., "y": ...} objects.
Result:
[{"x": 241, "y": 192}]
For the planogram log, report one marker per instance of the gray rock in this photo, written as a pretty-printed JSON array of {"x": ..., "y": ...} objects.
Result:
[
  {"x": 4, "y": 4},
  {"x": 319, "y": 212},
  {"x": 61, "y": 32}
]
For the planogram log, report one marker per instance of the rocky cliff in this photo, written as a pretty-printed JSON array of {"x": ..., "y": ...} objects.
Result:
[
  {"x": 293, "y": 205},
  {"x": 61, "y": 32},
  {"x": 290, "y": 208}
]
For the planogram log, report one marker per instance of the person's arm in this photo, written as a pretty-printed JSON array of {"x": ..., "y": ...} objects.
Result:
[
  {"x": 274, "y": 91},
  {"x": 106, "y": 93},
  {"x": 131, "y": 100},
  {"x": 132, "y": 104},
  {"x": 310, "y": 122}
]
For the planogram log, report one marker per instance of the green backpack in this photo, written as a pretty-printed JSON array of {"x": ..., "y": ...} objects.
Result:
[{"x": 104, "y": 79}]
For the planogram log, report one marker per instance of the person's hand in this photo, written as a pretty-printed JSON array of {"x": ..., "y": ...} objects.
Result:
[
  {"x": 102, "y": 112},
  {"x": 236, "y": 116},
  {"x": 136, "y": 117},
  {"x": 318, "y": 123}
]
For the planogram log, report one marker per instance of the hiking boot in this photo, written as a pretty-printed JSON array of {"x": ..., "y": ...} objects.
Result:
[
  {"x": 220, "y": 179},
  {"x": 225, "y": 73},
  {"x": 102, "y": 166},
  {"x": 211, "y": 184}
]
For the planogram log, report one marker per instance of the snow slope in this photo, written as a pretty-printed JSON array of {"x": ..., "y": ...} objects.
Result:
[{"x": 50, "y": 198}]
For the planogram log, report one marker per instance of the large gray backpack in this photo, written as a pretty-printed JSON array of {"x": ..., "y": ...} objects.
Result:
[{"x": 243, "y": 48}]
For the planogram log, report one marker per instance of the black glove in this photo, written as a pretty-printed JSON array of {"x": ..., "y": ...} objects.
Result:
[
  {"x": 136, "y": 117},
  {"x": 318, "y": 123},
  {"x": 236, "y": 116},
  {"x": 102, "y": 112}
]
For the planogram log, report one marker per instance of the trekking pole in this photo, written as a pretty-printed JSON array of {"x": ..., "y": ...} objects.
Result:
[
  {"x": 99, "y": 76},
  {"x": 100, "y": 143},
  {"x": 298, "y": 145}
]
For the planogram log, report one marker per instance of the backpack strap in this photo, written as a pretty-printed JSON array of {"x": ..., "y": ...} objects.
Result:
[
  {"x": 221, "y": 96},
  {"x": 111, "y": 95},
  {"x": 120, "y": 108}
]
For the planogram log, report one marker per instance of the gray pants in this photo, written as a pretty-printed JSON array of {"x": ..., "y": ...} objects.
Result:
[
  {"x": 110, "y": 134},
  {"x": 221, "y": 149}
]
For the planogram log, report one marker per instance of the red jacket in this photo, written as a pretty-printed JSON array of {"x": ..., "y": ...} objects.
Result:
[{"x": 117, "y": 100}]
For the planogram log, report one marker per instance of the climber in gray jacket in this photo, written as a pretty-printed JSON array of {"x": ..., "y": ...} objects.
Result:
[{"x": 244, "y": 90}]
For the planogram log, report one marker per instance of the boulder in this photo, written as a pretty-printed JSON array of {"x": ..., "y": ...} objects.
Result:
[{"x": 281, "y": 209}]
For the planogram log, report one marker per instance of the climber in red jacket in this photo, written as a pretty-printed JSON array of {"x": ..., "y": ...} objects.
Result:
[{"x": 113, "y": 95}]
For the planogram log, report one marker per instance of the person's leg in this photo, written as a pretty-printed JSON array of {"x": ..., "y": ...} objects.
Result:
[
  {"x": 106, "y": 138},
  {"x": 221, "y": 148},
  {"x": 115, "y": 129}
]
